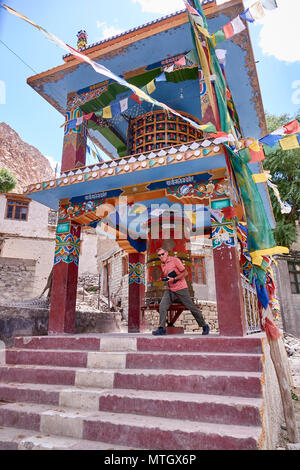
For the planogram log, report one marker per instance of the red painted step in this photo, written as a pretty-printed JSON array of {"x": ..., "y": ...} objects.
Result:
[
  {"x": 194, "y": 407},
  {"x": 129, "y": 430},
  {"x": 195, "y": 361},
  {"x": 47, "y": 357},
  {"x": 37, "y": 374},
  {"x": 244, "y": 384},
  {"x": 180, "y": 343}
]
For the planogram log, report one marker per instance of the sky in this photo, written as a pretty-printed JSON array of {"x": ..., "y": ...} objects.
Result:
[{"x": 25, "y": 52}]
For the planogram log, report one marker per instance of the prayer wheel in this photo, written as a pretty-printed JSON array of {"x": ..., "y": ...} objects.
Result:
[
  {"x": 157, "y": 129},
  {"x": 170, "y": 231}
]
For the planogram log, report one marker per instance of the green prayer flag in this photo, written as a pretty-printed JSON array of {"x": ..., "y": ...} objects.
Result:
[
  {"x": 99, "y": 113},
  {"x": 269, "y": 150},
  {"x": 220, "y": 36},
  {"x": 245, "y": 155}
]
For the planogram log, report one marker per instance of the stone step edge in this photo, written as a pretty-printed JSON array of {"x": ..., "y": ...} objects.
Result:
[
  {"x": 24, "y": 439},
  {"x": 184, "y": 372},
  {"x": 50, "y": 415},
  {"x": 136, "y": 343},
  {"x": 232, "y": 400}
]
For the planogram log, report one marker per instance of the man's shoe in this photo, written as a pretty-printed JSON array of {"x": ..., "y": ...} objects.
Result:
[
  {"x": 160, "y": 331},
  {"x": 205, "y": 330}
]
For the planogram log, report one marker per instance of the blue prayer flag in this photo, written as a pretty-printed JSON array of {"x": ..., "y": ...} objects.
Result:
[
  {"x": 270, "y": 139},
  {"x": 161, "y": 78},
  {"x": 115, "y": 109},
  {"x": 246, "y": 15}
]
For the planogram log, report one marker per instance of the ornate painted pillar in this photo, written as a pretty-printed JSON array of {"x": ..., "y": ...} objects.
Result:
[
  {"x": 66, "y": 260},
  {"x": 65, "y": 276},
  {"x": 230, "y": 303},
  {"x": 136, "y": 291}
]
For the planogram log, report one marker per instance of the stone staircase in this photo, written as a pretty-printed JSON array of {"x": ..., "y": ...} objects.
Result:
[{"x": 131, "y": 391}]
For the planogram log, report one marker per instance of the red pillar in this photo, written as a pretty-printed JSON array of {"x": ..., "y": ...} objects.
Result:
[
  {"x": 136, "y": 290},
  {"x": 65, "y": 269},
  {"x": 230, "y": 303},
  {"x": 64, "y": 283}
]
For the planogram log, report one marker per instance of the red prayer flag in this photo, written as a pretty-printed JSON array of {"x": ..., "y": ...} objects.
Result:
[
  {"x": 292, "y": 127},
  {"x": 135, "y": 97},
  {"x": 181, "y": 61},
  {"x": 228, "y": 30},
  {"x": 256, "y": 156},
  {"x": 86, "y": 117}
]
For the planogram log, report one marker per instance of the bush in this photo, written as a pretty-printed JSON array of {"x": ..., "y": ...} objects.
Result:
[{"x": 7, "y": 181}]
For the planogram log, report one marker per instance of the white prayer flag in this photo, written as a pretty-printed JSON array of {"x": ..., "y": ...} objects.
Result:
[
  {"x": 257, "y": 11},
  {"x": 124, "y": 105},
  {"x": 237, "y": 25}
]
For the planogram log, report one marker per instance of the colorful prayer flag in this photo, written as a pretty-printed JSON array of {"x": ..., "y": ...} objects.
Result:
[
  {"x": 228, "y": 30},
  {"x": 135, "y": 97},
  {"x": 289, "y": 143},
  {"x": 246, "y": 15},
  {"x": 124, "y": 105},
  {"x": 260, "y": 178},
  {"x": 270, "y": 140},
  {"x": 269, "y": 4},
  {"x": 151, "y": 87},
  {"x": 115, "y": 109},
  {"x": 190, "y": 9},
  {"x": 107, "y": 112},
  {"x": 169, "y": 69},
  {"x": 86, "y": 117},
  {"x": 279, "y": 131},
  {"x": 191, "y": 57},
  {"x": 238, "y": 25},
  {"x": 161, "y": 78},
  {"x": 257, "y": 11},
  {"x": 79, "y": 121},
  {"x": 292, "y": 127},
  {"x": 219, "y": 36},
  {"x": 181, "y": 61}
]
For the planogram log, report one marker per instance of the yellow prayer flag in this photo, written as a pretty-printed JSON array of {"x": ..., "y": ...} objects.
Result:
[
  {"x": 107, "y": 112},
  {"x": 260, "y": 178},
  {"x": 213, "y": 38},
  {"x": 151, "y": 87},
  {"x": 289, "y": 143},
  {"x": 255, "y": 146}
]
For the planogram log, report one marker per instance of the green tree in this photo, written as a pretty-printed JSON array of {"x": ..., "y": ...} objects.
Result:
[
  {"x": 284, "y": 166},
  {"x": 7, "y": 181}
]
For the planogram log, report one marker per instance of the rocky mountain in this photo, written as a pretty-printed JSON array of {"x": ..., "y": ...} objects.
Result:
[{"x": 24, "y": 161}]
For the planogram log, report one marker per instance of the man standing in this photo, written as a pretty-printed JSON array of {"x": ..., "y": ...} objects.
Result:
[{"x": 177, "y": 290}]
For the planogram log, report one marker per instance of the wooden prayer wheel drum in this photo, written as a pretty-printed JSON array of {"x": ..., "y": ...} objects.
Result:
[
  {"x": 157, "y": 129},
  {"x": 177, "y": 229}
]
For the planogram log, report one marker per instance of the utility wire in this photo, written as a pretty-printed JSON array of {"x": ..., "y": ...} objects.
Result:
[{"x": 19, "y": 57}]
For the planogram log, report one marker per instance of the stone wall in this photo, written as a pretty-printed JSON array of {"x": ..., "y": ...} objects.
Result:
[
  {"x": 21, "y": 321},
  {"x": 16, "y": 278},
  {"x": 186, "y": 319}
]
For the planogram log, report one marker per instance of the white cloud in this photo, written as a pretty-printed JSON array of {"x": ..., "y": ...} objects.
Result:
[
  {"x": 280, "y": 34},
  {"x": 108, "y": 31},
  {"x": 53, "y": 163}
]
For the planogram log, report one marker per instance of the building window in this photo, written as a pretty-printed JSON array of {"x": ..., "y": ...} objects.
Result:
[
  {"x": 17, "y": 209},
  {"x": 198, "y": 269},
  {"x": 124, "y": 265},
  {"x": 294, "y": 273}
]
